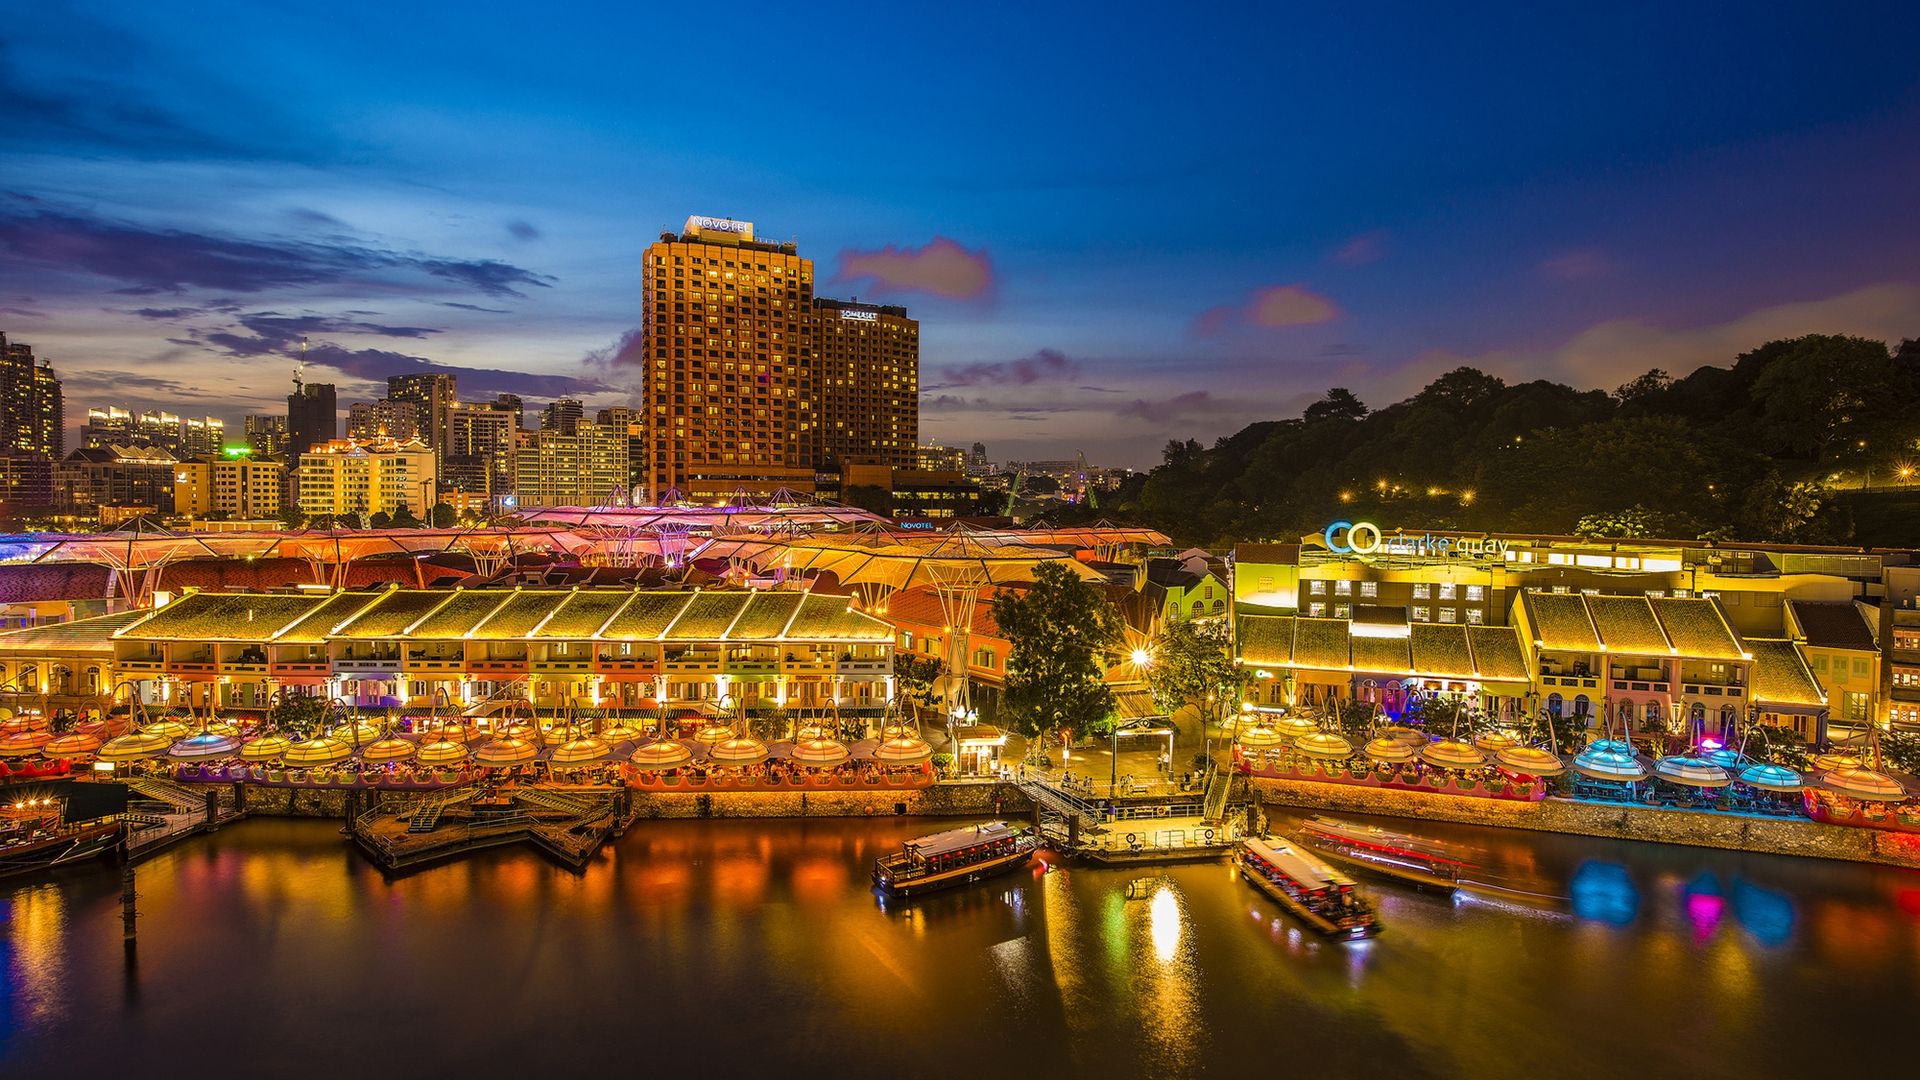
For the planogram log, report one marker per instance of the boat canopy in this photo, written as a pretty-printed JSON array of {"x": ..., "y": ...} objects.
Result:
[
  {"x": 942, "y": 843},
  {"x": 1308, "y": 873}
]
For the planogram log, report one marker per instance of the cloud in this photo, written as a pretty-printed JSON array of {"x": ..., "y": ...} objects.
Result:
[
  {"x": 1272, "y": 307},
  {"x": 152, "y": 260},
  {"x": 1047, "y": 365},
  {"x": 624, "y": 352},
  {"x": 1577, "y": 265},
  {"x": 941, "y": 268},
  {"x": 1362, "y": 249},
  {"x": 473, "y": 307},
  {"x": 521, "y": 230},
  {"x": 1178, "y": 407},
  {"x": 308, "y": 216}
]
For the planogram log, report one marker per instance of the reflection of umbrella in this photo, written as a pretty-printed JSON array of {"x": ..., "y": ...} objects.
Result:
[
  {"x": 581, "y": 751},
  {"x": 819, "y": 753},
  {"x": 442, "y": 752},
  {"x": 1452, "y": 754},
  {"x": 134, "y": 746},
  {"x": 1865, "y": 784},
  {"x": 1825, "y": 763},
  {"x": 665, "y": 754},
  {"x": 23, "y": 743},
  {"x": 1691, "y": 771},
  {"x": 77, "y": 742},
  {"x": 1324, "y": 745},
  {"x": 1388, "y": 750},
  {"x": 741, "y": 751},
  {"x": 1772, "y": 778},
  {"x": 265, "y": 748},
  {"x": 321, "y": 751},
  {"x": 905, "y": 750},
  {"x": 1295, "y": 727},
  {"x": 204, "y": 745},
  {"x": 1259, "y": 737},
  {"x": 1531, "y": 760},
  {"x": 501, "y": 753},
  {"x": 1608, "y": 765},
  {"x": 387, "y": 750}
]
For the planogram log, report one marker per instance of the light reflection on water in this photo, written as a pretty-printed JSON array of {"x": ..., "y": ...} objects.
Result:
[{"x": 716, "y": 947}]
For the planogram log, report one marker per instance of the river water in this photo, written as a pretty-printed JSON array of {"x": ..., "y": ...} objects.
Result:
[{"x": 712, "y": 948}]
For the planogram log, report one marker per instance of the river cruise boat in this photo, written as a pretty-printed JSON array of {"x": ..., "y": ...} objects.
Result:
[
  {"x": 34, "y": 835},
  {"x": 1409, "y": 859},
  {"x": 946, "y": 860},
  {"x": 1315, "y": 893}
]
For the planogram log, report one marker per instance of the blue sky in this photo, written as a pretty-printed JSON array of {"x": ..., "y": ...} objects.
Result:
[{"x": 1118, "y": 224}]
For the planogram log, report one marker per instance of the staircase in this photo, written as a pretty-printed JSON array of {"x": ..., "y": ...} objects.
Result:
[
  {"x": 1219, "y": 787},
  {"x": 1062, "y": 803},
  {"x": 426, "y": 817},
  {"x": 177, "y": 798},
  {"x": 569, "y": 803}
]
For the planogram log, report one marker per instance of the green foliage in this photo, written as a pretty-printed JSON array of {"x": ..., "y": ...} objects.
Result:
[
  {"x": 443, "y": 515},
  {"x": 1352, "y": 719},
  {"x": 291, "y": 517},
  {"x": 942, "y": 760},
  {"x": 915, "y": 674},
  {"x": 1191, "y": 660},
  {"x": 299, "y": 715},
  {"x": 1900, "y": 750},
  {"x": 1059, "y": 627},
  {"x": 1781, "y": 746},
  {"x": 768, "y": 726}
]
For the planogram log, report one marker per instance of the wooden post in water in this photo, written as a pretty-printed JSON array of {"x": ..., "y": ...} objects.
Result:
[
  {"x": 213, "y": 807},
  {"x": 128, "y": 913},
  {"x": 240, "y": 796}
]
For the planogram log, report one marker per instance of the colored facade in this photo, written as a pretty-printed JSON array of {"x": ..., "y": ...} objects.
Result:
[
  {"x": 240, "y": 487},
  {"x": 867, "y": 374},
  {"x": 382, "y": 476}
]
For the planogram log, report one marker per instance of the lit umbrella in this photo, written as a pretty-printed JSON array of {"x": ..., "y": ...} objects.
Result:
[
  {"x": 1402, "y": 733},
  {"x": 714, "y": 732},
  {"x": 1295, "y": 727},
  {"x": 1493, "y": 742},
  {"x": 1865, "y": 784},
  {"x": 461, "y": 733},
  {"x": 222, "y": 727},
  {"x": 819, "y": 753},
  {"x": 665, "y": 754},
  {"x": 1452, "y": 754},
  {"x": 1324, "y": 745},
  {"x": 1772, "y": 778},
  {"x": 740, "y": 751},
  {"x": 70, "y": 744},
  {"x": 522, "y": 730},
  {"x": 388, "y": 749},
  {"x": 582, "y": 751},
  {"x": 1259, "y": 737},
  {"x": 1388, "y": 751},
  {"x": 25, "y": 723},
  {"x": 265, "y": 748},
  {"x": 135, "y": 746},
  {"x": 442, "y": 752},
  {"x": 619, "y": 731},
  {"x": 168, "y": 729},
  {"x": 362, "y": 732},
  {"x": 1608, "y": 765},
  {"x": 1825, "y": 763},
  {"x": 1691, "y": 771},
  {"x": 23, "y": 743},
  {"x": 501, "y": 753},
  {"x": 816, "y": 730},
  {"x": 321, "y": 751},
  {"x": 1612, "y": 746},
  {"x": 1531, "y": 760},
  {"x": 204, "y": 745},
  {"x": 904, "y": 750}
]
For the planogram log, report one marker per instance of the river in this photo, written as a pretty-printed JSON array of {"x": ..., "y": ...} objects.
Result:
[{"x": 756, "y": 947}]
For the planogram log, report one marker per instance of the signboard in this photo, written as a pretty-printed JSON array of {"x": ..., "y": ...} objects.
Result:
[
  {"x": 860, "y": 316},
  {"x": 1366, "y": 538},
  {"x": 742, "y": 229}
]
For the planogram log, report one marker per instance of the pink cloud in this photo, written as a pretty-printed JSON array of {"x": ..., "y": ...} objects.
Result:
[
  {"x": 1362, "y": 249},
  {"x": 940, "y": 268},
  {"x": 1043, "y": 366},
  {"x": 1270, "y": 308}
]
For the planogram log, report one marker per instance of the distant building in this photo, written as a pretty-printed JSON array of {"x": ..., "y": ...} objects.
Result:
[
  {"x": 107, "y": 426},
  {"x": 434, "y": 393},
  {"x": 386, "y": 418},
  {"x": 312, "y": 417},
  {"x": 585, "y": 469},
  {"x": 622, "y": 420},
  {"x": 941, "y": 458},
  {"x": 480, "y": 450},
  {"x": 384, "y": 475},
  {"x": 26, "y": 483},
  {"x": 563, "y": 416},
  {"x": 239, "y": 486},
  {"x": 115, "y": 482},
  {"x": 866, "y": 376},
  {"x": 266, "y": 434},
  {"x": 32, "y": 412}
]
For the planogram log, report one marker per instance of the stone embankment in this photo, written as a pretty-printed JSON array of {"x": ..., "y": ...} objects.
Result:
[{"x": 1736, "y": 832}]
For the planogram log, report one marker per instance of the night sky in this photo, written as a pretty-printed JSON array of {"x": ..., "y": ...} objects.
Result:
[{"x": 1116, "y": 224}]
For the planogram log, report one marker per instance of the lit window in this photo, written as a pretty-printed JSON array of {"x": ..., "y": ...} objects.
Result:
[
  {"x": 1318, "y": 588},
  {"x": 1448, "y": 615},
  {"x": 1421, "y": 614},
  {"x": 1449, "y": 591},
  {"x": 1316, "y": 609},
  {"x": 1370, "y": 589},
  {"x": 1343, "y": 588},
  {"x": 1476, "y": 616},
  {"x": 1476, "y": 593},
  {"x": 1422, "y": 590}
]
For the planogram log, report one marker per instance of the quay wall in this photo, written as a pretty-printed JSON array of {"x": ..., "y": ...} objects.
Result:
[
  {"x": 1735, "y": 832},
  {"x": 940, "y": 800}
]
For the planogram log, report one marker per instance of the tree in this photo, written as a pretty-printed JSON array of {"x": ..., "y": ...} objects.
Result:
[
  {"x": 298, "y": 714},
  {"x": 443, "y": 515},
  {"x": 1191, "y": 663},
  {"x": 1339, "y": 404},
  {"x": 380, "y": 520},
  {"x": 1058, "y": 628},
  {"x": 915, "y": 674},
  {"x": 1900, "y": 751},
  {"x": 1643, "y": 389},
  {"x": 291, "y": 517},
  {"x": 402, "y": 518}
]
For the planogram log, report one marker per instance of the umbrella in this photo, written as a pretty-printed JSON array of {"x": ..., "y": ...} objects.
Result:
[
  {"x": 168, "y": 729},
  {"x": 582, "y": 751},
  {"x": 265, "y": 748},
  {"x": 1772, "y": 778},
  {"x": 1531, "y": 760},
  {"x": 501, "y": 753},
  {"x": 905, "y": 750},
  {"x": 1259, "y": 737},
  {"x": 222, "y": 727},
  {"x": 1494, "y": 741},
  {"x": 1324, "y": 745},
  {"x": 740, "y": 751},
  {"x": 1608, "y": 765},
  {"x": 713, "y": 733},
  {"x": 78, "y": 742},
  {"x": 388, "y": 749},
  {"x": 1726, "y": 757},
  {"x": 1452, "y": 754},
  {"x": 619, "y": 731},
  {"x": 817, "y": 730},
  {"x": 1612, "y": 746},
  {"x": 521, "y": 730},
  {"x": 461, "y": 733},
  {"x": 135, "y": 746},
  {"x": 25, "y": 723},
  {"x": 1691, "y": 771},
  {"x": 1829, "y": 762},
  {"x": 1388, "y": 750},
  {"x": 204, "y": 745},
  {"x": 1865, "y": 784},
  {"x": 1295, "y": 727},
  {"x": 361, "y": 732},
  {"x": 665, "y": 754},
  {"x": 321, "y": 751},
  {"x": 442, "y": 752},
  {"x": 23, "y": 743},
  {"x": 820, "y": 753},
  {"x": 1402, "y": 733}
]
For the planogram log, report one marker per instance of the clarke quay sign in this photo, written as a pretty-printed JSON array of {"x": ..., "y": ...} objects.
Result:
[{"x": 1366, "y": 538}]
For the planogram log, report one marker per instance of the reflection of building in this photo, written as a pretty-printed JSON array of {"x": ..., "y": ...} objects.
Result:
[
  {"x": 381, "y": 476},
  {"x": 115, "y": 482},
  {"x": 615, "y": 648},
  {"x": 725, "y": 347},
  {"x": 239, "y": 486},
  {"x": 584, "y": 469},
  {"x": 32, "y": 414},
  {"x": 866, "y": 376}
]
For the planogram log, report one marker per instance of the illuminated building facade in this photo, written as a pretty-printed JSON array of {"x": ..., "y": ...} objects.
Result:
[
  {"x": 380, "y": 476},
  {"x": 587, "y": 468},
  {"x": 866, "y": 375},
  {"x": 239, "y": 486},
  {"x": 32, "y": 411}
]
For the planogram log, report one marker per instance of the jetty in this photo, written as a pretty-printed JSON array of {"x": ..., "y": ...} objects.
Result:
[
  {"x": 1125, "y": 829},
  {"x": 567, "y": 824}
]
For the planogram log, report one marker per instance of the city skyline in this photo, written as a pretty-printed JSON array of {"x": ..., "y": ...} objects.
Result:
[{"x": 1348, "y": 209}]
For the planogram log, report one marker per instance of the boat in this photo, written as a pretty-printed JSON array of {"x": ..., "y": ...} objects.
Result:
[
  {"x": 34, "y": 835},
  {"x": 946, "y": 860},
  {"x": 1315, "y": 893},
  {"x": 1410, "y": 859}
]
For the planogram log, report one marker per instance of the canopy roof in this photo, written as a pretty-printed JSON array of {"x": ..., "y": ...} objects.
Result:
[
  {"x": 1429, "y": 650},
  {"x": 1691, "y": 626},
  {"x": 1781, "y": 677},
  {"x": 135, "y": 549}
]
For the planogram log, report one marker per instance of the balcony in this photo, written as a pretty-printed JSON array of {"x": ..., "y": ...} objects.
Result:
[
  {"x": 150, "y": 662},
  {"x": 1713, "y": 689},
  {"x": 380, "y": 664},
  {"x": 499, "y": 665},
  {"x": 869, "y": 666},
  {"x": 1570, "y": 682},
  {"x": 580, "y": 664},
  {"x": 625, "y": 665}
]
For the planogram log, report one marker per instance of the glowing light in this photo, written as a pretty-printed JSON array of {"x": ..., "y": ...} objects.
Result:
[
  {"x": 1163, "y": 924},
  {"x": 1140, "y": 658}
]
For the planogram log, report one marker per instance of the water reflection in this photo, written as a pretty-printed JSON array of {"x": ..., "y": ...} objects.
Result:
[{"x": 720, "y": 946}]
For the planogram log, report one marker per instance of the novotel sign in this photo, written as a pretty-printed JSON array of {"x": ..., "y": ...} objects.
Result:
[
  {"x": 714, "y": 224},
  {"x": 1366, "y": 538}
]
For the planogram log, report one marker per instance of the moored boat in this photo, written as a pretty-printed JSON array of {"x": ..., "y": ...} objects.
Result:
[
  {"x": 1410, "y": 859},
  {"x": 946, "y": 860},
  {"x": 1313, "y": 892},
  {"x": 35, "y": 836}
]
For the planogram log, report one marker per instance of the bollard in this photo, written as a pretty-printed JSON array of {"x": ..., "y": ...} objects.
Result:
[
  {"x": 128, "y": 913},
  {"x": 213, "y": 808},
  {"x": 239, "y": 797}
]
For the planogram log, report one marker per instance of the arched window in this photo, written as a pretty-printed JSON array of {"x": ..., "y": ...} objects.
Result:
[
  {"x": 1554, "y": 705},
  {"x": 1582, "y": 707}
]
